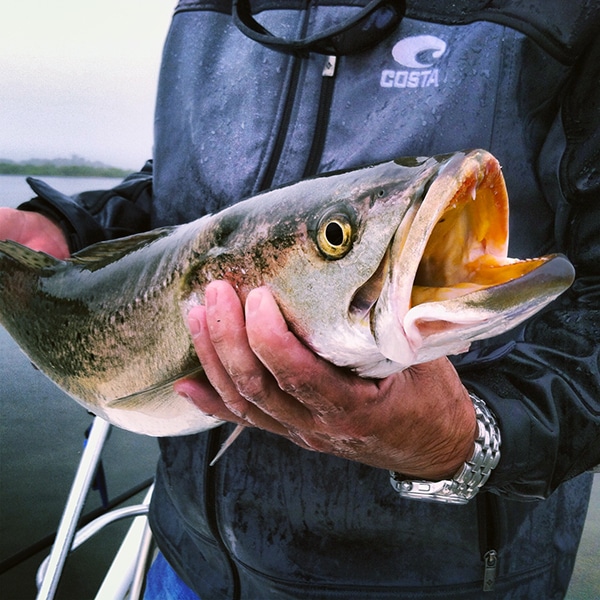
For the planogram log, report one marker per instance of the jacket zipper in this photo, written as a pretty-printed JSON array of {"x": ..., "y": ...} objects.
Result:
[
  {"x": 212, "y": 446},
  {"x": 269, "y": 176},
  {"x": 271, "y": 169},
  {"x": 489, "y": 531},
  {"x": 325, "y": 97},
  {"x": 490, "y": 570}
]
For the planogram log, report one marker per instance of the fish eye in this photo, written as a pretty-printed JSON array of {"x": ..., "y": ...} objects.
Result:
[{"x": 334, "y": 235}]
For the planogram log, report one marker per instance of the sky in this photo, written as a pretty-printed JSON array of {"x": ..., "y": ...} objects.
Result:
[{"x": 78, "y": 77}]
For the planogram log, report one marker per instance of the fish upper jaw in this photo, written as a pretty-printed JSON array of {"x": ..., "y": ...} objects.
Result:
[{"x": 449, "y": 280}]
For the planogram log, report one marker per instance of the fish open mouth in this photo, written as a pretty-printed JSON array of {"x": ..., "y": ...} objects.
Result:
[
  {"x": 467, "y": 246},
  {"x": 452, "y": 243},
  {"x": 447, "y": 279}
]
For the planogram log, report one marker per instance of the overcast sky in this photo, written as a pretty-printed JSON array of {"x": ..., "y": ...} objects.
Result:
[{"x": 79, "y": 77}]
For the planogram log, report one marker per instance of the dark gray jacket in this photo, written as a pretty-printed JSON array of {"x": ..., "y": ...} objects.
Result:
[{"x": 234, "y": 117}]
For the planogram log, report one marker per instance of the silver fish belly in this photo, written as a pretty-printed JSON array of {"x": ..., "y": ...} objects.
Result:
[{"x": 375, "y": 269}]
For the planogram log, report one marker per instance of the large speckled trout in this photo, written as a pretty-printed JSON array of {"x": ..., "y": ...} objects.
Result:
[{"x": 375, "y": 269}]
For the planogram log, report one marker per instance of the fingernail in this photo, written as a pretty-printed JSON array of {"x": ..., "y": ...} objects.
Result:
[
  {"x": 184, "y": 396},
  {"x": 195, "y": 326},
  {"x": 253, "y": 301},
  {"x": 195, "y": 321},
  {"x": 210, "y": 295},
  {"x": 179, "y": 387}
]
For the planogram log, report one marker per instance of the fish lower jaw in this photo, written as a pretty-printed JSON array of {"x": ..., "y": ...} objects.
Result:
[
  {"x": 422, "y": 334},
  {"x": 393, "y": 343},
  {"x": 398, "y": 352}
]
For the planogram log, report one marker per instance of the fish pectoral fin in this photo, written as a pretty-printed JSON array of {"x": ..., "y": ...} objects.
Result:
[
  {"x": 150, "y": 398},
  {"x": 144, "y": 400},
  {"x": 158, "y": 411}
]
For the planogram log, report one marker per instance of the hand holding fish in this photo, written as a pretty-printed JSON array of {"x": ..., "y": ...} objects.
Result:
[
  {"x": 33, "y": 230},
  {"x": 419, "y": 422}
]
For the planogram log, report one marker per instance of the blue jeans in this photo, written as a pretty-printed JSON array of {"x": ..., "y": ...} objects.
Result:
[{"x": 162, "y": 583}]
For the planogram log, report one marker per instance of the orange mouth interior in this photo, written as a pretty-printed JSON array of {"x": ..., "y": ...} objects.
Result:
[{"x": 466, "y": 250}]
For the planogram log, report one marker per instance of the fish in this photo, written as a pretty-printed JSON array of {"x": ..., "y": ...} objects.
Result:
[{"x": 375, "y": 269}]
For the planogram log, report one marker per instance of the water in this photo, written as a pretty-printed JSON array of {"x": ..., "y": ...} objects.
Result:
[{"x": 14, "y": 189}]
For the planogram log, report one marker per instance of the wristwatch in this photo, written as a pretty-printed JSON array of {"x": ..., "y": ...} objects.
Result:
[{"x": 472, "y": 475}]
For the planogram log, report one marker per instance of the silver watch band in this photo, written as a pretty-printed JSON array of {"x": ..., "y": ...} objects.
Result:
[{"x": 473, "y": 474}]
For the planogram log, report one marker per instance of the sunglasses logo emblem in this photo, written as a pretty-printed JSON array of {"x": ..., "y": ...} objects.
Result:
[
  {"x": 419, "y": 51},
  {"x": 417, "y": 56}
]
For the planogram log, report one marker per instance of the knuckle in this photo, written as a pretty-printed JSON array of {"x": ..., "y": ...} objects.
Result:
[
  {"x": 250, "y": 386},
  {"x": 238, "y": 406},
  {"x": 302, "y": 440},
  {"x": 296, "y": 383}
]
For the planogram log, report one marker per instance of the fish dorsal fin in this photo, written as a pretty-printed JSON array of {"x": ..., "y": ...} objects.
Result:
[
  {"x": 102, "y": 254},
  {"x": 98, "y": 255},
  {"x": 13, "y": 254}
]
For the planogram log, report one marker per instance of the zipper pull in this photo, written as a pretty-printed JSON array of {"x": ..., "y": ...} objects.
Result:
[
  {"x": 490, "y": 569},
  {"x": 329, "y": 68},
  {"x": 324, "y": 107}
]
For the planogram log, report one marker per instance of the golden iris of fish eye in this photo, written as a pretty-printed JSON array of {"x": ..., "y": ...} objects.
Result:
[{"x": 334, "y": 235}]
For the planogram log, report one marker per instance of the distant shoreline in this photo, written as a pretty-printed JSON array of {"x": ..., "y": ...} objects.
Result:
[{"x": 49, "y": 169}]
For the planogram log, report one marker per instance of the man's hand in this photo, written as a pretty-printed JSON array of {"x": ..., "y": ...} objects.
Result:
[
  {"x": 33, "y": 230},
  {"x": 419, "y": 422}
]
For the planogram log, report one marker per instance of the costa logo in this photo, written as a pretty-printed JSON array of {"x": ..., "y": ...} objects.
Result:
[
  {"x": 418, "y": 55},
  {"x": 419, "y": 51}
]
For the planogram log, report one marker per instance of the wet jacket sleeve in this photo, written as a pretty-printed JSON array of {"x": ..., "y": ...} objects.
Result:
[
  {"x": 544, "y": 383},
  {"x": 98, "y": 215}
]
